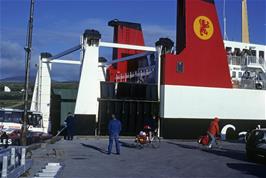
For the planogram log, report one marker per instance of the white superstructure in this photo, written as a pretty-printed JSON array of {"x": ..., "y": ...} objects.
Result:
[{"x": 243, "y": 56}]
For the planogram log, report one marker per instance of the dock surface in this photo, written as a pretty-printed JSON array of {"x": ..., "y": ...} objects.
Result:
[{"x": 84, "y": 158}]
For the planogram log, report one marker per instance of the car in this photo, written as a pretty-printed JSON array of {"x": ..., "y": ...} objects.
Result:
[{"x": 256, "y": 144}]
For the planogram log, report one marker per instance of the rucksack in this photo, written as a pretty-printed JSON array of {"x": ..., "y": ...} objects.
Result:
[{"x": 204, "y": 140}]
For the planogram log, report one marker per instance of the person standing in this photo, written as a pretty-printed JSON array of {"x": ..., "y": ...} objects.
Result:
[
  {"x": 70, "y": 126},
  {"x": 213, "y": 131},
  {"x": 114, "y": 129}
]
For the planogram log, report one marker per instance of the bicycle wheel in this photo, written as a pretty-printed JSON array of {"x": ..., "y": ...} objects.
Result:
[
  {"x": 155, "y": 142},
  {"x": 138, "y": 144}
]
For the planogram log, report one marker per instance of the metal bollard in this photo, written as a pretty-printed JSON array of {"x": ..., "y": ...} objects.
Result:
[
  {"x": 23, "y": 154},
  {"x": 13, "y": 157},
  {"x": 4, "y": 167}
]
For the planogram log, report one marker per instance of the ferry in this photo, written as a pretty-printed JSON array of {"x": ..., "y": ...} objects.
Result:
[
  {"x": 201, "y": 78},
  {"x": 186, "y": 86}
]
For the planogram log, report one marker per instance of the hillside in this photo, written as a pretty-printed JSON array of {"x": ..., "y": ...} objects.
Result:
[{"x": 15, "y": 98}]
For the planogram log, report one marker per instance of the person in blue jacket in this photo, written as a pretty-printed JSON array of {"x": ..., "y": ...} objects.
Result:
[
  {"x": 70, "y": 126},
  {"x": 114, "y": 128}
]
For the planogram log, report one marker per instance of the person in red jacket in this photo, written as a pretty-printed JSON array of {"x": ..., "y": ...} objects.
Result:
[{"x": 213, "y": 131}]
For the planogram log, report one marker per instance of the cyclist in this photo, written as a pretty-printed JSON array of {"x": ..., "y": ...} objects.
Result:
[{"x": 150, "y": 126}]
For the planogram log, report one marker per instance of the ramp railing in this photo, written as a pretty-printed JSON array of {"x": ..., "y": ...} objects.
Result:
[{"x": 13, "y": 162}]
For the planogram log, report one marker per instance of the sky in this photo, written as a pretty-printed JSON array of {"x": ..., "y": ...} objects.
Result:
[{"x": 58, "y": 25}]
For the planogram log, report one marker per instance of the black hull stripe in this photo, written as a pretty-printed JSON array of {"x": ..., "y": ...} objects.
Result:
[{"x": 193, "y": 128}]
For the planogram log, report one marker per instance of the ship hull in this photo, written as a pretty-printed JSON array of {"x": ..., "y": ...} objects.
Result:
[{"x": 186, "y": 111}]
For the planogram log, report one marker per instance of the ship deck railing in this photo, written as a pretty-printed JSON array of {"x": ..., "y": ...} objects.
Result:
[
  {"x": 247, "y": 61},
  {"x": 140, "y": 74},
  {"x": 13, "y": 162},
  {"x": 252, "y": 84}
]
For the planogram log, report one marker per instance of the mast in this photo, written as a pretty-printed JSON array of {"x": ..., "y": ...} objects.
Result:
[
  {"x": 224, "y": 17},
  {"x": 27, "y": 74},
  {"x": 245, "y": 32}
]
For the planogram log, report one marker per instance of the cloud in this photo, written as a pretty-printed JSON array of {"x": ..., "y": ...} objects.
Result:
[
  {"x": 65, "y": 72},
  {"x": 56, "y": 39},
  {"x": 152, "y": 33},
  {"x": 13, "y": 34},
  {"x": 11, "y": 59},
  {"x": 100, "y": 25}
]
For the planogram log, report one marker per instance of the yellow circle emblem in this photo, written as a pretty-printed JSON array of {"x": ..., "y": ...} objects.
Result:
[{"x": 203, "y": 27}]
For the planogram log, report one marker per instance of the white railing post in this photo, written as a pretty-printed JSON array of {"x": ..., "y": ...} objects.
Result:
[
  {"x": 4, "y": 167},
  {"x": 13, "y": 157},
  {"x": 23, "y": 154}
]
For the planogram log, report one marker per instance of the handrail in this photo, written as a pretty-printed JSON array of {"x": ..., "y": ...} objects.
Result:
[
  {"x": 14, "y": 162},
  {"x": 247, "y": 61},
  {"x": 141, "y": 72}
]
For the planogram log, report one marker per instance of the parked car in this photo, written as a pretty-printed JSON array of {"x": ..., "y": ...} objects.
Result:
[{"x": 256, "y": 144}]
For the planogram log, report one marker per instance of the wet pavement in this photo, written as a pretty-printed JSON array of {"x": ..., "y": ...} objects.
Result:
[{"x": 86, "y": 157}]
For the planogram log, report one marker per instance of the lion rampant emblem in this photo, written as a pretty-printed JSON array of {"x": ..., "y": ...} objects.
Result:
[{"x": 203, "y": 27}]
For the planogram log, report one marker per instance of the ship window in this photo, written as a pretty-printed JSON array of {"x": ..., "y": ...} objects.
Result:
[
  {"x": 237, "y": 51},
  {"x": 239, "y": 74},
  {"x": 180, "y": 67},
  {"x": 228, "y": 49},
  {"x": 246, "y": 52},
  {"x": 253, "y": 52},
  {"x": 261, "y": 54},
  {"x": 233, "y": 74}
]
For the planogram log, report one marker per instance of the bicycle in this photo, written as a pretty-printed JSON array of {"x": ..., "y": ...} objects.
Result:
[{"x": 143, "y": 139}]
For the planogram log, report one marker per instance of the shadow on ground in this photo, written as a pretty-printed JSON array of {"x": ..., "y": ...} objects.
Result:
[
  {"x": 128, "y": 145},
  {"x": 234, "y": 154},
  {"x": 95, "y": 148},
  {"x": 238, "y": 155},
  {"x": 183, "y": 146},
  {"x": 250, "y": 169}
]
